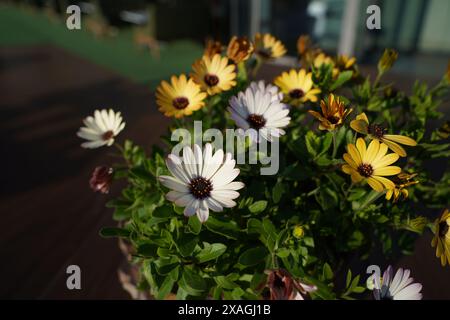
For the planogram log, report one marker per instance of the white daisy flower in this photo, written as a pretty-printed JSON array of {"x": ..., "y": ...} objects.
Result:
[
  {"x": 202, "y": 181},
  {"x": 255, "y": 108},
  {"x": 101, "y": 129},
  {"x": 277, "y": 95},
  {"x": 399, "y": 287}
]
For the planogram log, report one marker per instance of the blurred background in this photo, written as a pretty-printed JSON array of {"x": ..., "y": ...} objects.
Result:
[{"x": 52, "y": 77}]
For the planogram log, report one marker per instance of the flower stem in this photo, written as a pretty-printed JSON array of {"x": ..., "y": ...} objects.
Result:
[{"x": 335, "y": 146}]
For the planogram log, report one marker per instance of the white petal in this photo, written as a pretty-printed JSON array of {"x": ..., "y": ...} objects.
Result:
[
  {"x": 191, "y": 208},
  {"x": 210, "y": 168},
  {"x": 229, "y": 194},
  {"x": 224, "y": 176},
  {"x": 173, "y": 183},
  {"x": 198, "y": 159},
  {"x": 223, "y": 200},
  {"x": 93, "y": 144},
  {"x": 203, "y": 212},
  {"x": 411, "y": 292},
  {"x": 214, "y": 205},
  {"x": 184, "y": 200},
  {"x": 235, "y": 185},
  {"x": 175, "y": 167},
  {"x": 189, "y": 162}
]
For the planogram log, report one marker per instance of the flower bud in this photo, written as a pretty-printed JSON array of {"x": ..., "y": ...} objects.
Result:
[
  {"x": 387, "y": 60},
  {"x": 101, "y": 179}
]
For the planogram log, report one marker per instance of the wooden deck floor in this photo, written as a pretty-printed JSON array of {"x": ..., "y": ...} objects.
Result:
[{"x": 50, "y": 217}]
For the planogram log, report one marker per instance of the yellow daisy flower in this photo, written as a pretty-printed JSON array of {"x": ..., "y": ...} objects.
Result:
[
  {"x": 403, "y": 180},
  {"x": 344, "y": 62},
  {"x": 239, "y": 49},
  {"x": 441, "y": 238},
  {"x": 371, "y": 164},
  {"x": 333, "y": 113},
  {"x": 297, "y": 87},
  {"x": 322, "y": 59},
  {"x": 179, "y": 98},
  {"x": 377, "y": 132},
  {"x": 214, "y": 75},
  {"x": 267, "y": 46}
]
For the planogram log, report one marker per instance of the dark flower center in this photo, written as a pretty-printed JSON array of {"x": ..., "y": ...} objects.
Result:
[
  {"x": 333, "y": 119},
  {"x": 180, "y": 103},
  {"x": 296, "y": 93},
  {"x": 256, "y": 121},
  {"x": 443, "y": 229},
  {"x": 108, "y": 135},
  {"x": 211, "y": 80},
  {"x": 377, "y": 131},
  {"x": 365, "y": 170},
  {"x": 200, "y": 187}
]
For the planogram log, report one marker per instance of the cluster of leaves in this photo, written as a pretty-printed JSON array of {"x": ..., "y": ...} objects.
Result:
[{"x": 308, "y": 219}]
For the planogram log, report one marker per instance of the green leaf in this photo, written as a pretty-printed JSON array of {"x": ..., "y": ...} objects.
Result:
[
  {"x": 186, "y": 244},
  {"x": 142, "y": 174},
  {"x": 342, "y": 78},
  {"x": 147, "y": 249},
  {"x": 211, "y": 252},
  {"x": 166, "y": 265},
  {"x": 195, "y": 226},
  {"x": 192, "y": 282},
  {"x": 258, "y": 206},
  {"x": 253, "y": 256},
  {"x": 277, "y": 192},
  {"x": 109, "y": 232},
  {"x": 163, "y": 212},
  {"x": 226, "y": 228},
  {"x": 326, "y": 143},
  {"x": 327, "y": 272},
  {"x": 257, "y": 280},
  {"x": 237, "y": 293},
  {"x": 121, "y": 214},
  {"x": 165, "y": 288},
  {"x": 225, "y": 283},
  {"x": 254, "y": 226},
  {"x": 312, "y": 143},
  {"x": 349, "y": 278},
  {"x": 283, "y": 252}
]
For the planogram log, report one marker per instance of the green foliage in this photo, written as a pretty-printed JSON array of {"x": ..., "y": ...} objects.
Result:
[{"x": 228, "y": 256}]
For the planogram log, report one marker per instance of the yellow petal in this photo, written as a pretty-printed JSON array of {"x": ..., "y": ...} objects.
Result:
[
  {"x": 381, "y": 152},
  {"x": 395, "y": 147},
  {"x": 350, "y": 161},
  {"x": 347, "y": 169},
  {"x": 388, "y": 184},
  {"x": 387, "y": 171},
  {"x": 376, "y": 185},
  {"x": 361, "y": 146},
  {"x": 316, "y": 115},
  {"x": 389, "y": 194},
  {"x": 363, "y": 117},
  {"x": 385, "y": 161},
  {"x": 372, "y": 152},
  {"x": 434, "y": 242},
  {"x": 359, "y": 126},
  {"x": 356, "y": 177},
  {"x": 354, "y": 154},
  {"x": 401, "y": 139},
  {"x": 405, "y": 193}
]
